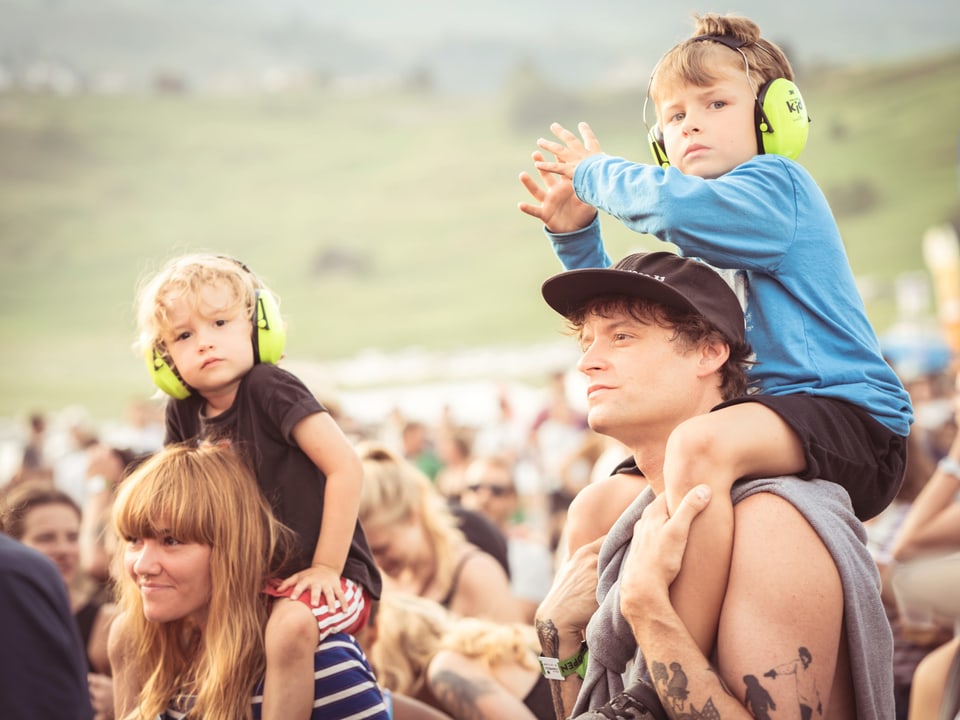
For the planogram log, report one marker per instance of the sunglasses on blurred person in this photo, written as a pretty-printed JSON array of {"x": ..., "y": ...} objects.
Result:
[{"x": 495, "y": 490}]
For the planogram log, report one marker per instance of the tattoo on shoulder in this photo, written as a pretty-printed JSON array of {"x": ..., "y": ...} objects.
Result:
[{"x": 459, "y": 695}]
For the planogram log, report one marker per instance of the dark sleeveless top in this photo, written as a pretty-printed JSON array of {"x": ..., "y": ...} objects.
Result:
[
  {"x": 540, "y": 700},
  {"x": 457, "y": 571}
]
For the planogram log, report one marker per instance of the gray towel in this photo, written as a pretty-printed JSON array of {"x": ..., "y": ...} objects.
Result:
[{"x": 826, "y": 507}]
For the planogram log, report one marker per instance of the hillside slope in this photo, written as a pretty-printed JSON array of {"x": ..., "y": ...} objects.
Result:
[{"x": 382, "y": 221}]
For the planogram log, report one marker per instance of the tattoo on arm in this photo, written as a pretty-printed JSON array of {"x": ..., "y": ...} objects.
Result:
[
  {"x": 550, "y": 647},
  {"x": 459, "y": 695},
  {"x": 797, "y": 671},
  {"x": 671, "y": 685},
  {"x": 549, "y": 637}
]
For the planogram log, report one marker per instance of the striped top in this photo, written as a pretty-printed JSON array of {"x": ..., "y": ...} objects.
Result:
[{"x": 344, "y": 685}]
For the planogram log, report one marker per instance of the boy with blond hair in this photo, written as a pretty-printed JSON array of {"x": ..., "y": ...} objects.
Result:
[{"x": 211, "y": 333}]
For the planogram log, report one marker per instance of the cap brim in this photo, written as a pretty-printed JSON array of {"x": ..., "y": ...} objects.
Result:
[{"x": 569, "y": 291}]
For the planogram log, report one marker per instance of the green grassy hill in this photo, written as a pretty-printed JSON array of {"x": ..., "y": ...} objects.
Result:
[{"x": 382, "y": 222}]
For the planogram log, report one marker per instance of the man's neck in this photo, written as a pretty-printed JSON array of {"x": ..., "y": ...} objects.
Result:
[{"x": 649, "y": 461}]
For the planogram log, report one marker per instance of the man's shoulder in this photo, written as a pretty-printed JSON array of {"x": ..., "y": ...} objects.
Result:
[
  {"x": 30, "y": 579},
  {"x": 806, "y": 495},
  {"x": 819, "y": 504},
  {"x": 19, "y": 563}
]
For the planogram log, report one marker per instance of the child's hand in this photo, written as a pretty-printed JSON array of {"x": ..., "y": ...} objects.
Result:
[
  {"x": 319, "y": 580},
  {"x": 569, "y": 151},
  {"x": 560, "y": 209}
]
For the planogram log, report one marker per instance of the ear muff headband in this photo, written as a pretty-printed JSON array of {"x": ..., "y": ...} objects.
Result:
[
  {"x": 165, "y": 376},
  {"x": 780, "y": 107},
  {"x": 781, "y": 120},
  {"x": 269, "y": 336},
  {"x": 269, "y": 332}
]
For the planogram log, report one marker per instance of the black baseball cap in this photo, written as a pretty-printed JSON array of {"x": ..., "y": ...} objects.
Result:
[{"x": 662, "y": 277}]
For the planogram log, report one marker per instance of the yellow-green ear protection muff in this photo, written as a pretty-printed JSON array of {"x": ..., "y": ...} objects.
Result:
[
  {"x": 782, "y": 121},
  {"x": 165, "y": 376},
  {"x": 781, "y": 118},
  {"x": 269, "y": 332},
  {"x": 269, "y": 336}
]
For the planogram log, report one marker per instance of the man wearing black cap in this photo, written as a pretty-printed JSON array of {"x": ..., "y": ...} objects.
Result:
[{"x": 663, "y": 343}]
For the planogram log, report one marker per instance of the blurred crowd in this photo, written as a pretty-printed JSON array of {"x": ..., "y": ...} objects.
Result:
[{"x": 467, "y": 525}]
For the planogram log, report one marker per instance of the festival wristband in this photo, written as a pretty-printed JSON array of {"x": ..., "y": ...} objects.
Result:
[{"x": 555, "y": 669}]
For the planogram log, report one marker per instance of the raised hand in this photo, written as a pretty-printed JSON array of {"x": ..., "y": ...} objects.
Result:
[
  {"x": 558, "y": 206},
  {"x": 569, "y": 151}
]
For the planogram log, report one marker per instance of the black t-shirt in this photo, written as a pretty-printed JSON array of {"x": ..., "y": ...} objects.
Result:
[{"x": 270, "y": 402}]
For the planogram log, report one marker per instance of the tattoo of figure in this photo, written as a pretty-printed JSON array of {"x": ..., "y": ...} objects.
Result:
[
  {"x": 677, "y": 691},
  {"x": 671, "y": 685},
  {"x": 459, "y": 695},
  {"x": 658, "y": 671},
  {"x": 808, "y": 695},
  {"x": 758, "y": 700}
]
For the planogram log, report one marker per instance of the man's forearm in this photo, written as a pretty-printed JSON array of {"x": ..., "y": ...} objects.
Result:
[
  {"x": 554, "y": 644},
  {"x": 670, "y": 650}
]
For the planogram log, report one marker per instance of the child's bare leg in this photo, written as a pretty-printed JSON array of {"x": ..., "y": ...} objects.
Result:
[
  {"x": 719, "y": 448},
  {"x": 291, "y": 638}
]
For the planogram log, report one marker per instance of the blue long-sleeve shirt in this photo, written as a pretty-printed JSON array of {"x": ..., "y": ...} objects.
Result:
[{"x": 767, "y": 219}]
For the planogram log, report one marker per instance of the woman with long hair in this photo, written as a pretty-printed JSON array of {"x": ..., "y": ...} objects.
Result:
[
  {"x": 419, "y": 547},
  {"x": 198, "y": 544}
]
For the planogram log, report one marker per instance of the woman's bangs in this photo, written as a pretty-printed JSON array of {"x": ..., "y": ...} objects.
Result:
[{"x": 164, "y": 503}]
